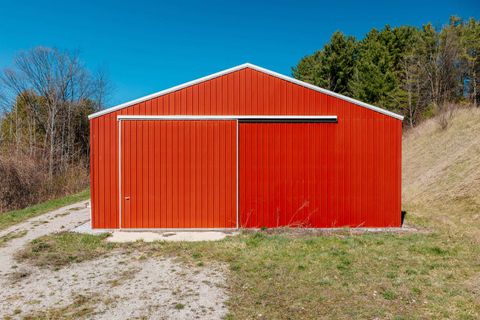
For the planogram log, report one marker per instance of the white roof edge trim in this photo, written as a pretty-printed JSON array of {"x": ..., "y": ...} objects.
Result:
[
  {"x": 254, "y": 67},
  {"x": 223, "y": 117}
]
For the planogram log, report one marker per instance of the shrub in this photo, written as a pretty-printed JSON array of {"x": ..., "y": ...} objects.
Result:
[
  {"x": 445, "y": 115},
  {"x": 25, "y": 181},
  {"x": 21, "y": 180}
]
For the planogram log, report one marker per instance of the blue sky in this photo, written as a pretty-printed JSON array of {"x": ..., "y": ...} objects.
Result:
[{"x": 147, "y": 46}]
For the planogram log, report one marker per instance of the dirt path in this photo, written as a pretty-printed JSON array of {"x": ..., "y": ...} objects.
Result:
[
  {"x": 119, "y": 285},
  {"x": 61, "y": 219}
]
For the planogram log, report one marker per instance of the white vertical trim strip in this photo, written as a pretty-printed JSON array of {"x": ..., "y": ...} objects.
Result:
[
  {"x": 237, "y": 175},
  {"x": 119, "y": 174}
]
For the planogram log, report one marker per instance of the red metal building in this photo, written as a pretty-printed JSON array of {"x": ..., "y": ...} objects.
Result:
[{"x": 245, "y": 147}]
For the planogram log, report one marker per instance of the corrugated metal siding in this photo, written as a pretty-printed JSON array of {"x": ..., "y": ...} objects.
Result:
[
  {"x": 178, "y": 174},
  {"x": 364, "y": 140},
  {"x": 303, "y": 175},
  {"x": 282, "y": 167}
]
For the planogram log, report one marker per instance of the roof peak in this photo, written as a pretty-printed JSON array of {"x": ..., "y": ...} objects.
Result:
[{"x": 239, "y": 67}]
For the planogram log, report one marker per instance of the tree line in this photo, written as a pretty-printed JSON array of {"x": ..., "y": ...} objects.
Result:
[
  {"x": 46, "y": 96},
  {"x": 417, "y": 72}
]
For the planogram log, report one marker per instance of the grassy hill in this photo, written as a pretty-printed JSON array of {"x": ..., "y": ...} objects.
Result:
[{"x": 441, "y": 175}]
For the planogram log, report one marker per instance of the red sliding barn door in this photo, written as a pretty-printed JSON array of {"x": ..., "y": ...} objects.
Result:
[
  {"x": 313, "y": 175},
  {"x": 178, "y": 174},
  {"x": 285, "y": 174}
]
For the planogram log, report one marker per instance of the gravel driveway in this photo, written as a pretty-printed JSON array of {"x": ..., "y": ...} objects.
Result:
[{"x": 119, "y": 285}]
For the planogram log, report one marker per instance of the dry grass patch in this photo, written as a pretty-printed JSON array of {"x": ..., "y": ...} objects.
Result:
[
  {"x": 82, "y": 307},
  {"x": 441, "y": 174},
  {"x": 61, "y": 249},
  {"x": 124, "y": 276},
  {"x": 10, "y": 236},
  {"x": 18, "y": 275}
]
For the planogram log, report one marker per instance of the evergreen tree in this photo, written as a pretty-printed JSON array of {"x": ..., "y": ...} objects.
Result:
[
  {"x": 470, "y": 40},
  {"x": 414, "y": 71},
  {"x": 332, "y": 67},
  {"x": 374, "y": 79}
]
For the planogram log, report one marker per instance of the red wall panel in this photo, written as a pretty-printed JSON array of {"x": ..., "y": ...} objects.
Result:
[{"x": 365, "y": 148}]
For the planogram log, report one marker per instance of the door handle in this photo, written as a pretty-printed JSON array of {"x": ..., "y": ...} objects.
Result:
[{"x": 127, "y": 198}]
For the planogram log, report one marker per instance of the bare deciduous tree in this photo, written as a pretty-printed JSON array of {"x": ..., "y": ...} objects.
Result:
[{"x": 50, "y": 87}]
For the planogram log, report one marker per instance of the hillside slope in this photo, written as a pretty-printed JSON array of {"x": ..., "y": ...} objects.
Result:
[{"x": 441, "y": 174}]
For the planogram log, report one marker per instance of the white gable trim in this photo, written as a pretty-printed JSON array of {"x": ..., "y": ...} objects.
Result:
[{"x": 254, "y": 67}]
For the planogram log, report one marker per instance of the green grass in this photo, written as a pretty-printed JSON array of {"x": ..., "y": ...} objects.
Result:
[
  {"x": 366, "y": 276},
  {"x": 179, "y": 306},
  {"x": 349, "y": 276},
  {"x": 11, "y": 218},
  {"x": 61, "y": 249}
]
